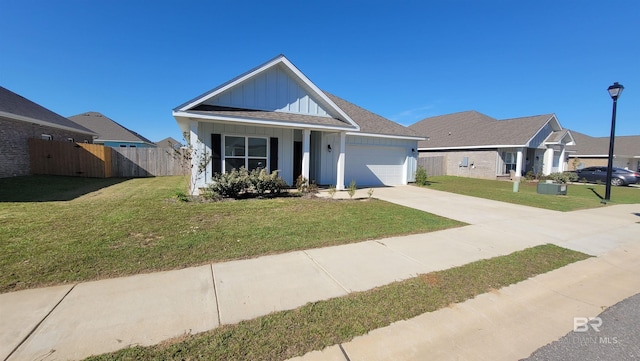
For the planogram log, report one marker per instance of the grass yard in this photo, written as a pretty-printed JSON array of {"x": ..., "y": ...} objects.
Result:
[
  {"x": 579, "y": 196},
  {"x": 55, "y": 230},
  {"x": 282, "y": 335}
]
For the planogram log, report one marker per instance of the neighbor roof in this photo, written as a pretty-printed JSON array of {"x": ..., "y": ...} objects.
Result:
[
  {"x": 17, "y": 107},
  {"x": 169, "y": 142},
  {"x": 471, "y": 129},
  {"x": 108, "y": 129},
  {"x": 587, "y": 146},
  {"x": 372, "y": 123}
]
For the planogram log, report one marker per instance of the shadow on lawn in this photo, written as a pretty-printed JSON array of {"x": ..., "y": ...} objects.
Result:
[
  {"x": 40, "y": 188},
  {"x": 596, "y": 193}
]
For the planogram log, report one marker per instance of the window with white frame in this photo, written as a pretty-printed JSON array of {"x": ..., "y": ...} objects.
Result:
[
  {"x": 509, "y": 159},
  {"x": 248, "y": 152}
]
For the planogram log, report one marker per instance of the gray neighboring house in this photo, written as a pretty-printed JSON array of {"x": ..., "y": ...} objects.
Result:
[
  {"x": 20, "y": 120},
  {"x": 594, "y": 151},
  {"x": 110, "y": 133},
  {"x": 478, "y": 146}
]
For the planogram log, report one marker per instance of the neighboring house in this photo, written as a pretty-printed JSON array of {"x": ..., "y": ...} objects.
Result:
[
  {"x": 594, "y": 151},
  {"x": 478, "y": 146},
  {"x": 110, "y": 133},
  {"x": 22, "y": 119},
  {"x": 169, "y": 143},
  {"x": 274, "y": 117}
]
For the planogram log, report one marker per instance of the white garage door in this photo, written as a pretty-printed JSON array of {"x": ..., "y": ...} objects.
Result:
[{"x": 374, "y": 165}]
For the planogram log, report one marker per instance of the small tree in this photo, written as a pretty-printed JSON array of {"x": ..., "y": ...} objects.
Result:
[
  {"x": 421, "y": 176},
  {"x": 352, "y": 189}
]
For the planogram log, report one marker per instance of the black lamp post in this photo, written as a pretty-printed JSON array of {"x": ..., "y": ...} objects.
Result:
[{"x": 614, "y": 90}]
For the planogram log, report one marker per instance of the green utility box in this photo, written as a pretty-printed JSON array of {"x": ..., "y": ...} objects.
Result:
[{"x": 552, "y": 188}]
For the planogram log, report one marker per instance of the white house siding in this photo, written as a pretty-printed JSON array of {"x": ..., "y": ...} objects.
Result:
[
  {"x": 272, "y": 90},
  {"x": 285, "y": 145}
]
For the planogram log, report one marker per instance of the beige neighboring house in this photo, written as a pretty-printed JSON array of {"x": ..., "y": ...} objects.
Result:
[
  {"x": 594, "y": 151},
  {"x": 21, "y": 120},
  {"x": 478, "y": 146}
]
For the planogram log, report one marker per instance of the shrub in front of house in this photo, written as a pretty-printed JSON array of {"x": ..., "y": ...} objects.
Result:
[
  {"x": 240, "y": 182},
  {"x": 563, "y": 177}
]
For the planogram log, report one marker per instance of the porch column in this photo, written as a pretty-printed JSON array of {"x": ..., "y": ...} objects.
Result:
[
  {"x": 561, "y": 163},
  {"x": 547, "y": 166},
  {"x": 306, "y": 141},
  {"x": 195, "y": 152},
  {"x": 340, "y": 170},
  {"x": 519, "y": 164}
]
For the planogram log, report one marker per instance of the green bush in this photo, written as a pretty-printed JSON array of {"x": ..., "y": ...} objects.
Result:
[
  {"x": 231, "y": 184},
  {"x": 261, "y": 181},
  {"x": 241, "y": 182},
  {"x": 563, "y": 177},
  {"x": 421, "y": 176}
]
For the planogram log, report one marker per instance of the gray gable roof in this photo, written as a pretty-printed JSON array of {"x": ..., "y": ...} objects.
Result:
[
  {"x": 18, "y": 107},
  {"x": 471, "y": 129},
  {"x": 370, "y": 122},
  {"x": 108, "y": 129},
  {"x": 269, "y": 115},
  {"x": 587, "y": 146},
  {"x": 169, "y": 142}
]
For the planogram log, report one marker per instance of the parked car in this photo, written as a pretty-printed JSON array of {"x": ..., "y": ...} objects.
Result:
[{"x": 619, "y": 176}]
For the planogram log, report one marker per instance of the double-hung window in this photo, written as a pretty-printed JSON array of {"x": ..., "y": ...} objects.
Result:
[
  {"x": 509, "y": 159},
  {"x": 248, "y": 152}
]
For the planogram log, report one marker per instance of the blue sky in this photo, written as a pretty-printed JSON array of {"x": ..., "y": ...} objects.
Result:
[{"x": 134, "y": 61}]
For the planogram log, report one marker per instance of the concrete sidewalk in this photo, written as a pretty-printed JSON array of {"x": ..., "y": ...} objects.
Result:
[{"x": 75, "y": 321}]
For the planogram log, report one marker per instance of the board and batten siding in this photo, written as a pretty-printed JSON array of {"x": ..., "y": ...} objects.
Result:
[
  {"x": 285, "y": 145},
  {"x": 273, "y": 90}
]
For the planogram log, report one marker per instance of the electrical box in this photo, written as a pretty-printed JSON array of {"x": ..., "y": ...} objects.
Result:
[{"x": 552, "y": 188}]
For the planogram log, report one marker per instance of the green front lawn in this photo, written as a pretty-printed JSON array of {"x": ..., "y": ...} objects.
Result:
[
  {"x": 55, "y": 230},
  {"x": 579, "y": 196}
]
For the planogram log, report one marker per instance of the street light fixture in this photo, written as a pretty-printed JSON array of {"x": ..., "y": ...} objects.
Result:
[{"x": 614, "y": 91}]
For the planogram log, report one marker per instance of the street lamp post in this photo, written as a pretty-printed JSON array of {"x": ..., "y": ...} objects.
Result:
[{"x": 614, "y": 91}]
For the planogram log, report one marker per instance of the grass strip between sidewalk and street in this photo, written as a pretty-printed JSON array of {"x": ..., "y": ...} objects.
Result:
[{"x": 286, "y": 334}]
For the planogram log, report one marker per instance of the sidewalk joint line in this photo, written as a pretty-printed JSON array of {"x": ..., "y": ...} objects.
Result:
[
  {"x": 327, "y": 272},
  {"x": 215, "y": 294},
  {"x": 40, "y": 323},
  {"x": 344, "y": 353}
]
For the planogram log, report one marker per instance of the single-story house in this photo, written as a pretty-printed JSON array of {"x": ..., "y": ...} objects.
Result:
[
  {"x": 478, "y": 146},
  {"x": 594, "y": 151},
  {"x": 110, "y": 133},
  {"x": 20, "y": 120},
  {"x": 274, "y": 117}
]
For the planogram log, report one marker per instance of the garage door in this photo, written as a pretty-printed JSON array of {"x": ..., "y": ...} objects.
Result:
[{"x": 373, "y": 165}]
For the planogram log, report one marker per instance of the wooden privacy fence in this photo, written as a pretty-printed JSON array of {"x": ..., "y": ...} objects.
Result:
[
  {"x": 94, "y": 160},
  {"x": 70, "y": 159},
  {"x": 434, "y": 165},
  {"x": 147, "y": 162}
]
